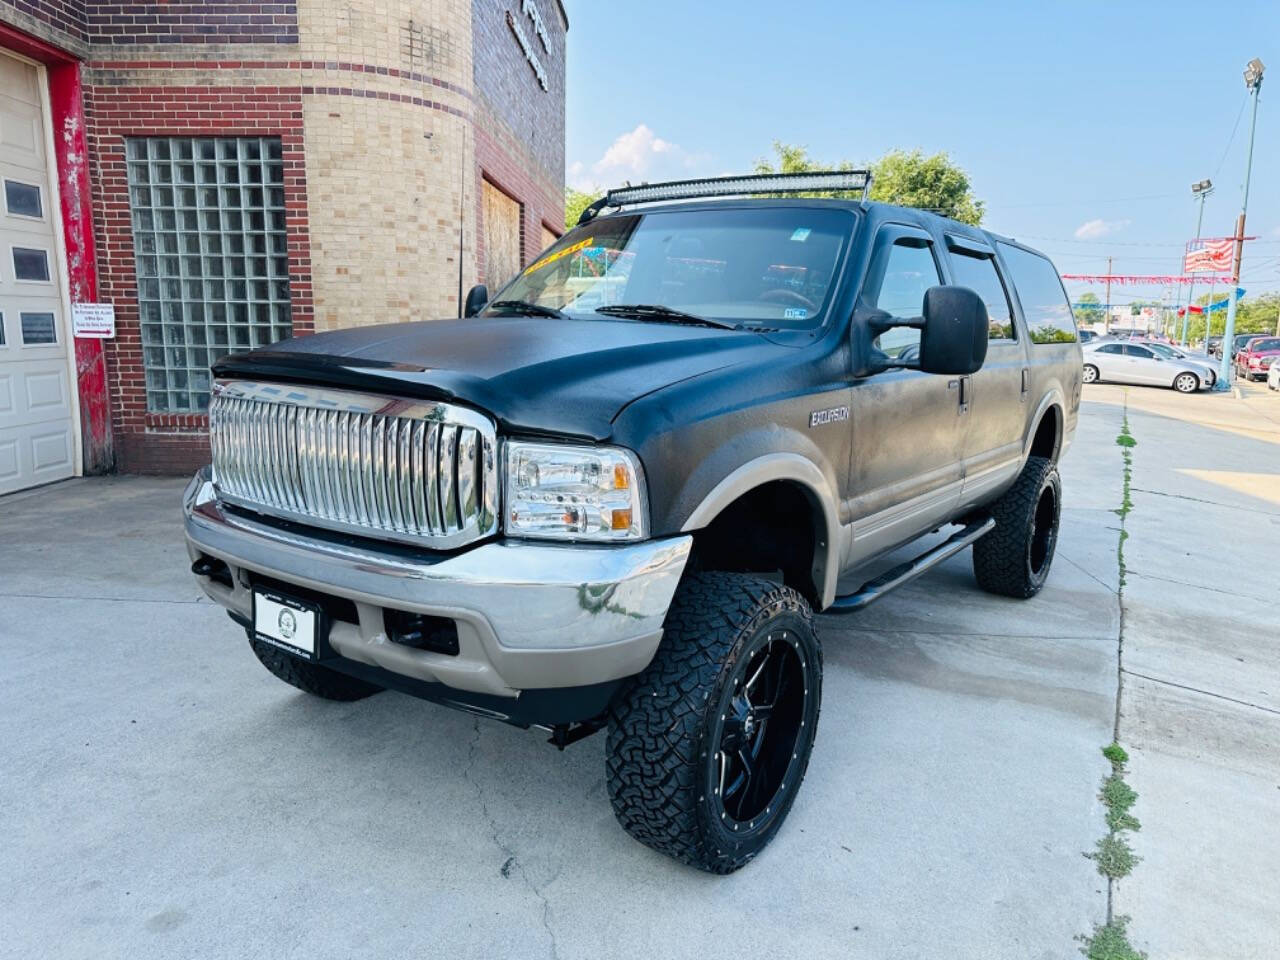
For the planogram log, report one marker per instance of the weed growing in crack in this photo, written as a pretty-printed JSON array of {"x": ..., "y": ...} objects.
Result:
[
  {"x": 1126, "y": 442},
  {"x": 1113, "y": 854},
  {"x": 1110, "y": 941}
]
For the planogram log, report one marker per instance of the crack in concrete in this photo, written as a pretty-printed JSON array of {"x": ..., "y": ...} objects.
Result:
[
  {"x": 1197, "y": 586},
  {"x": 512, "y": 861},
  {"x": 1089, "y": 574},
  {"x": 72, "y": 596},
  {"x": 1202, "y": 691},
  {"x": 1212, "y": 503}
]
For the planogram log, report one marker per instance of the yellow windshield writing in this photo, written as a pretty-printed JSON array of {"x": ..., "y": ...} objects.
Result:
[{"x": 559, "y": 254}]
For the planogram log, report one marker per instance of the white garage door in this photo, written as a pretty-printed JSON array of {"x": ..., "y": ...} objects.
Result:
[{"x": 36, "y": 440}]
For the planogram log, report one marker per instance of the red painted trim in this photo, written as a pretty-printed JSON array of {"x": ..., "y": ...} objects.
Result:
[
  {"x": 71, "y": 152},
  {"x": 32, "y": 47}
]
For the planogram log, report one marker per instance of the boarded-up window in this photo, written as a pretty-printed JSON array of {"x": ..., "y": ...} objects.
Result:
[
  {"x": 501, "y": 237},
  {"x": 548, "y": 238}
]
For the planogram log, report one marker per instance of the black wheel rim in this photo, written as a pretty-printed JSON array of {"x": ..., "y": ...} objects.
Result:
[
  {"x": 760, "y": 729},
  {"x": 1044, "y": 530}
]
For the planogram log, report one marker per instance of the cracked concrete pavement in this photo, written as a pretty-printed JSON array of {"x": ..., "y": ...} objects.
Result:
[
  {"x": 1200, "y": 702},
  {"x": 167, "y": 797}
]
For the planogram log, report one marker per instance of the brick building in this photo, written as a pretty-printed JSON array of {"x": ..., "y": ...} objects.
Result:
[{"x": 225, "y": 174}]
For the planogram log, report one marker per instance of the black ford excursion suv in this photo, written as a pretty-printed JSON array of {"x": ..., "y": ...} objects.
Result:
[{"x": 613, "y": 496}]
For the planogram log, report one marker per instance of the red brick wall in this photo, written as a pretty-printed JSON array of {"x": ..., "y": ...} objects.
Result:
[
  {"x": 177, "y": 443},
  {"x": 540, "y": 202}
]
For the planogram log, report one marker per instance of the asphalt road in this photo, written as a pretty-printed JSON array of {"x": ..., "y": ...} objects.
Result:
[{"x": 164, "y": 796}]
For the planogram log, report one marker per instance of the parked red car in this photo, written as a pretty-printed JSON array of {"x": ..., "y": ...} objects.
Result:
[{"x": 1253, "y": 362}]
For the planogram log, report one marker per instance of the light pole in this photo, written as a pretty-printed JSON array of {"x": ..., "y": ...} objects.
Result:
[
  {"x": 1200, "y": 190},
  {"x": 1253, "y": 83}
]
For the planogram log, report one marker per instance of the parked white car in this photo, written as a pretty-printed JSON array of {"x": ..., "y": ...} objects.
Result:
[
  {"x": 1273, "y": 377},
  {"x": 1125, "y": 362}
]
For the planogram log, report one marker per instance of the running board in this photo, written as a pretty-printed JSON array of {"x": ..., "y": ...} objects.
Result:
[{"x": 906, "y": 572}]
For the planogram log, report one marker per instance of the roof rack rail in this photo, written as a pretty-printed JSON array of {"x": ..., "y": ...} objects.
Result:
[{"x": 859, "y": 180}]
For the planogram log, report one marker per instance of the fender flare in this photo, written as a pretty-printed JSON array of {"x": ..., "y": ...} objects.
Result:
[
  {"x": 1054, "y": 397},
  {"x": 770, "y": 468}
]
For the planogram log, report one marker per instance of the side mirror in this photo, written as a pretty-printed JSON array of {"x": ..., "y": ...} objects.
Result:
[
  {"x": 477, "y": 297},
  {"x": 953, "y": 339}
]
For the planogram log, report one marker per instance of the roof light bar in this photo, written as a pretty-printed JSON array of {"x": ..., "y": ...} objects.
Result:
[{"x": 733, "y": 186}]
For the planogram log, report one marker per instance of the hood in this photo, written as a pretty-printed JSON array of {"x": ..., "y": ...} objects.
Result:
[{"x": 532, "y": 374}]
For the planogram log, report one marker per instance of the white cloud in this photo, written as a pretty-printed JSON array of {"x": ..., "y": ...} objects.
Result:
[
  {"x": 637, "y": 156},
  {"x": 1095, "y": 229}
]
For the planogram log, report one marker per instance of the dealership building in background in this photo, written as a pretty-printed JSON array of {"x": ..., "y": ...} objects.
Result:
[{"x": 182, "y": 180}]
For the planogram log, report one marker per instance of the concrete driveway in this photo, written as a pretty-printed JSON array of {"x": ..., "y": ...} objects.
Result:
[{"x": 165, "y": 796}]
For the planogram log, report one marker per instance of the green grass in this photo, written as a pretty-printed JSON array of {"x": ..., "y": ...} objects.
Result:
[{"x": 1110, "y": 941}]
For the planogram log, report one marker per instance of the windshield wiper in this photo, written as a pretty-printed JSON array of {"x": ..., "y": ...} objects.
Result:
[
  {"x": 655, "y": 311},
  {"x": 526, "y": 308}
]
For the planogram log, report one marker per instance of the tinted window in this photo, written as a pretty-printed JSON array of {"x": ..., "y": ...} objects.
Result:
[
  {"x": 1044, "y": 301},
  {"x": 1134, "y": 351},
  {"x": 22, "y": 199},
  {"x": 1111, "y": 348},
  {"x": 38, "y": 328},
  {"x": 909, "y": 271},
  {"x": 29, "y": 264},
  {"x": 979, "y": 275}
]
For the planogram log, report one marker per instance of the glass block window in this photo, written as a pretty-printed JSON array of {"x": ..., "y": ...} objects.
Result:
[{"x": 211, "y": 255}]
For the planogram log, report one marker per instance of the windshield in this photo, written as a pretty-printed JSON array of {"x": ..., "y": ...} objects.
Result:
[
  {"x": 768, "y": 267},
  {"x": 1270, "y": 343},
  {"x": 1164, "y": 351}
]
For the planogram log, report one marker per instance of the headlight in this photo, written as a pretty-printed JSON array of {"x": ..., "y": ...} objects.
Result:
[{"x": 564, "y": 492}]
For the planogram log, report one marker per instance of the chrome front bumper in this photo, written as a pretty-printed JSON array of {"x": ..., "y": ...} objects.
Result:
[{"x": 529, "y": 615}]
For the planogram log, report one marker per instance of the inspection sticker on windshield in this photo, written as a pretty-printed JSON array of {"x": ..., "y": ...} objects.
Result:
[
  {"x": 795, "y": 313},
  {"x": 559, "y": 254},
  {"x": 801, "y": 234}
]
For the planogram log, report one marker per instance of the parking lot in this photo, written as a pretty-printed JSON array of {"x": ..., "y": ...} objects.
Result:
[{"x": 166, "y": 797}]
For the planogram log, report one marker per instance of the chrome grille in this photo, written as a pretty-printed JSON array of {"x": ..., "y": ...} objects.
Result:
[{"x": 409, "y": 470}]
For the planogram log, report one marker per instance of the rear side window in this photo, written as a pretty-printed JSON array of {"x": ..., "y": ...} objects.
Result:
[
  {"x": 979, "y": 275},
  {"x": 1044, "y": 301},
  {"x": 1111, "y": 348}
]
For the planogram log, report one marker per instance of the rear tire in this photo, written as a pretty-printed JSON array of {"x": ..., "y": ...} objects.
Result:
[
  {"x": 1091, "y": 374},
  {"x": 311, "y": 677},
  {"x": 708, "y": 746},
  {"x": 1013, "y": 560}
]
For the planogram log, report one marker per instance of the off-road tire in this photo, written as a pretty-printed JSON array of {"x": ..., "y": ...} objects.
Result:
[
  {"x": 665, "y": 729},
  {"x": 1095, "y": 378},
  {"x": 1013, "y": 560},
  {"x": 310, "y": 677}
]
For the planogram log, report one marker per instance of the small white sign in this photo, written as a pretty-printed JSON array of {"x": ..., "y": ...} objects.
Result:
[{"x": 93, "y": 320}]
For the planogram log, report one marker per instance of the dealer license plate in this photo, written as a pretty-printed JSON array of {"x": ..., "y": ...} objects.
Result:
[{"x": 285, "y": 622}]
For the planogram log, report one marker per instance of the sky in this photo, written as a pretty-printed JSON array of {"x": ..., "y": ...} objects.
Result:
[{"x": 1081, "y": 126}]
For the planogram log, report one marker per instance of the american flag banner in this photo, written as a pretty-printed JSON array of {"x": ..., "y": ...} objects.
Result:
[{"x": 1208, "y": 255}]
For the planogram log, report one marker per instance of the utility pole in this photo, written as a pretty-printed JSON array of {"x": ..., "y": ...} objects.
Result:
[
  {"x": 1106, "y": 317},
  {"x": 1252, "y": 82},
  {"x": 1200, "y": 189}
]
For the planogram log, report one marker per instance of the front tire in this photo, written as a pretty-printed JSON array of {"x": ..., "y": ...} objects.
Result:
[
  {"x": 1186, "y": 383},
  {"x": 708, "y": 746},
  {"x": 311, "y": 677},
  {"x": 1013, "y": 560}
]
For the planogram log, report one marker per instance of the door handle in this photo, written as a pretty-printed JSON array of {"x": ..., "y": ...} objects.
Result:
[
  {"x": 966, "y": 393},
  {"x": 1026, "y": 383}
]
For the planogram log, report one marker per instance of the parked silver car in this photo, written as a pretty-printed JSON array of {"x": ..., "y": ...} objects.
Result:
[
  {"x": 1125, "y": 362},
  {"x": 1170, "y": 352}
]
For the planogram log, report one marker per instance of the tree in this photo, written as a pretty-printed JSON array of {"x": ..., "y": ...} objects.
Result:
[
  {"x": 908, "y": 178},
  {"x": 575, "y": 201},
  {"x": 1088, "y": 309},
  {"x": 934, "y": 183}
]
